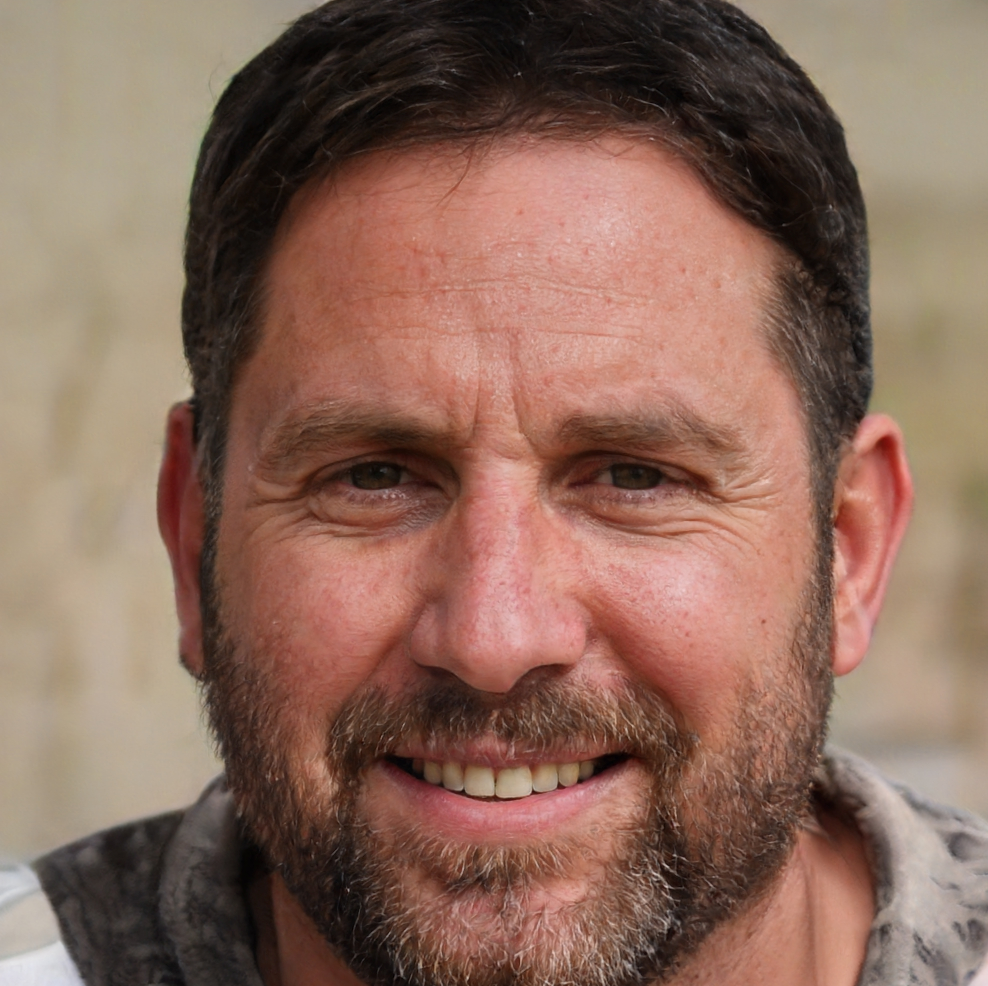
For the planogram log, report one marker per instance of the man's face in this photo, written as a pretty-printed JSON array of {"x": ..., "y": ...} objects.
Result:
[{"x": 516, "y": 494}]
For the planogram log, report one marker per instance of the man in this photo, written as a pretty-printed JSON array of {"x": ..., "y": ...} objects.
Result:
[{"x": 524, "y": 509}]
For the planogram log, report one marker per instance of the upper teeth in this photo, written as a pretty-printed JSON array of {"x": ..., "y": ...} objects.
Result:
[{"x": 506, "y": 783}]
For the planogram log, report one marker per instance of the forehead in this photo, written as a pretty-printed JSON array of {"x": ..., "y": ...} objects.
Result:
[
  {"x": 592, "y": 205},
  {"x": 450, "y": 280}
]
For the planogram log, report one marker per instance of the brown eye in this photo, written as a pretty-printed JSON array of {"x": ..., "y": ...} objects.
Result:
[
  {"x": 628, "y": 476},
  {"x": 375, "y": 476}
]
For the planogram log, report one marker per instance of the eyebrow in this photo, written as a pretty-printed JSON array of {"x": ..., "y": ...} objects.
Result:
[
  {"x": 314, "y": 429},
  {"x": 675, "y": 426},
  {"x": 311, "y": 430}
]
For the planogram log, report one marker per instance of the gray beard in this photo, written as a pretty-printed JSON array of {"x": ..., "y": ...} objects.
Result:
[{"x": 711, "y": 831}]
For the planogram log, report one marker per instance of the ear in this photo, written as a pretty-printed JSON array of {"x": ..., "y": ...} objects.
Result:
[
  {"x": 181, "y": 522},
  {"x": 872, "y": 503}
]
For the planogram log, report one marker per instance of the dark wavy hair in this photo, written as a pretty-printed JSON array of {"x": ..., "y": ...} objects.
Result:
[{"x": 699, "y": 76}]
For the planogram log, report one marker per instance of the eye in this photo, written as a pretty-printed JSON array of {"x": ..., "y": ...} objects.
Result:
[
  {"x": 375, "y": 475},
  {"x": 631, "y": 476}
]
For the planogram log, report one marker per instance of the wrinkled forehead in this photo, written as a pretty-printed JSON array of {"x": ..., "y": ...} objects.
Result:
[
  {"x": 610, "y": 196},
  {"x": 526, "y": 233},
  {"x": 531, "y": 270}
]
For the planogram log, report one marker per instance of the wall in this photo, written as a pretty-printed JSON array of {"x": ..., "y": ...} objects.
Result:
[
  {"x": 909, "y": 78},
  {"x": 103, "y": 105}
]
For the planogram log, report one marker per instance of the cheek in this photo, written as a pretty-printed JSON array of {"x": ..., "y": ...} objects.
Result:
[
  {"x": 697, "y": 626},
  {"x": 321, "y": 616}
]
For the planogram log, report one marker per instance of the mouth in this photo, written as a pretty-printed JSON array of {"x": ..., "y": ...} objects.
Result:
[{"x": 484, "y": 783}]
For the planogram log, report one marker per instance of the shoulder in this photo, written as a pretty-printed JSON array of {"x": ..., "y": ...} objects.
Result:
[
  {"x": 929, "y": 864},
  {"x": 119, "y": 864},
  {"x": 31, "y": 949},
  {"x": 156, "y": 901},
  {"x": 104, "y": 889}
]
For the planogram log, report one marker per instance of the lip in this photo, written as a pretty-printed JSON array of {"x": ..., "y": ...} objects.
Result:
[{"x": 468, "y": 819}]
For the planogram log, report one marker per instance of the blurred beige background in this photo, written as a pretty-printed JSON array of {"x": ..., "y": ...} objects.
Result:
[{"x": 102, "y": 103}]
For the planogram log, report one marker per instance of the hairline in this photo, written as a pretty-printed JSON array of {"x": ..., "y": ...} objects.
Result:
[{"x": 778, "y": 304}]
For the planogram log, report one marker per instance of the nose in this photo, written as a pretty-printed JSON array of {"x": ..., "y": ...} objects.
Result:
[{"x": 504, "y": 598}]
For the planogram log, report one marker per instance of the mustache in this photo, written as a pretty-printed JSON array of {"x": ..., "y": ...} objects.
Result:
[{"x": 540, "y": 714}]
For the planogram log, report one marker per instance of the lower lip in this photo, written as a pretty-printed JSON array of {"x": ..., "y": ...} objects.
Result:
[{"x": 494, "y": 821}]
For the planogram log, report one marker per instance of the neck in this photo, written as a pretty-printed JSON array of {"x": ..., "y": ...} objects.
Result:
[{"x": 811, "y": 927}]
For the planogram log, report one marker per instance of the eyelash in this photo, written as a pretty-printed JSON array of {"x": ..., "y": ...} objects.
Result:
[
  {"x": 344, "y": 479},
  {"x": 423, "y": 494},
  {"x": 669, "y": 479}
]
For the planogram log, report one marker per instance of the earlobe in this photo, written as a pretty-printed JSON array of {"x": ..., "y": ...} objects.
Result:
[
  {"x": 181, "y": 521},
  {"x": 872, "y": 503}
]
